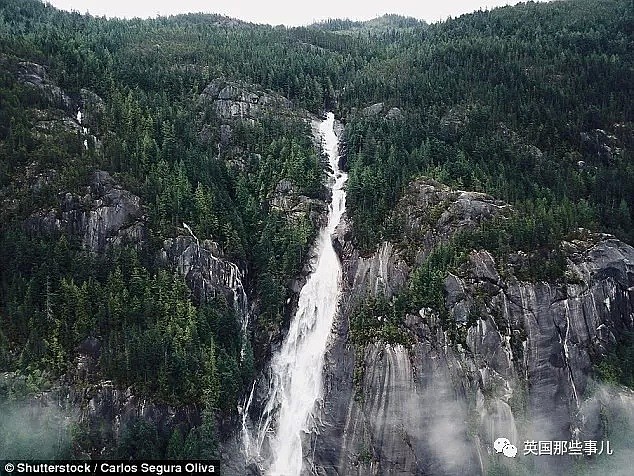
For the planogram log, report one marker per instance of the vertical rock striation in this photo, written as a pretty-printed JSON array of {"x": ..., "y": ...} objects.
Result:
[{"x": 523, "y": 369}]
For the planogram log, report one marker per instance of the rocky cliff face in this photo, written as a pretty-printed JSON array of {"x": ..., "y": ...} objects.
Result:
[
  {"x": 207, "y": 273},
  {"x": 100, "y": 404},
  {"x": 231, "y": 99},
  {"x": 35, "y": 76},
  {"x": 105, "y": 215},
  {"x": 296, "y": 206},
  {"x": 520, "y": 368},
  {"x": 380, "y": 109}
]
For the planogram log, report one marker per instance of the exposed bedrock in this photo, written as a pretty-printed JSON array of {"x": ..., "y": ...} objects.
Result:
[
  {"x": 523, "y": 369},
  {"x": 105, "y": 215}
]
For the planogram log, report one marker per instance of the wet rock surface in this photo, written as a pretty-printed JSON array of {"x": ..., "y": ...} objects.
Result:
[
  {"x": 207, "y": 273},
  {"x": 521, "y": 366}
]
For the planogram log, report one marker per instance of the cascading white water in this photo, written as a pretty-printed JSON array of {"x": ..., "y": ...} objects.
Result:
[
  {"x": 296, "y": 371},
  {"x": 80, "y": 117}
]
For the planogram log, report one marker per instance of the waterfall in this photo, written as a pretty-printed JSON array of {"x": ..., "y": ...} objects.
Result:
[
  {"x": 79, "y": 118},
  {"x": 296, "y": 370}
]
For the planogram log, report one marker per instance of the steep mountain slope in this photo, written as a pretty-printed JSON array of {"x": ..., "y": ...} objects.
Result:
[
  {"x": 117, "y": 197},
  {"x": 427, "y": 390},
  {"x": 162, "y": 186}
]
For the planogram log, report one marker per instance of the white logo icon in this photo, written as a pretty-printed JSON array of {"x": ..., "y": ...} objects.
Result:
[
  {"x": 504, "y": 446},
  {"x": 510, "y": 451}
]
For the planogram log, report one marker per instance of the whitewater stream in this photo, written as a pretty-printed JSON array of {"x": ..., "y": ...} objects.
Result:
[{"x": 296, "y": 370}]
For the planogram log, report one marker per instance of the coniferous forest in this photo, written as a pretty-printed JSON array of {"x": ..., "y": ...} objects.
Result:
[{"x": 531, "y": 104}]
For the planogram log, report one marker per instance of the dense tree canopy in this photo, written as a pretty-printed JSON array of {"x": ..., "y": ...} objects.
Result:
[{"x": 532, "y": 104}]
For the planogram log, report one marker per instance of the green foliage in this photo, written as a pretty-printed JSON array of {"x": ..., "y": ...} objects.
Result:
[
  {"x": 618, "y": 366},
  {"x": 377, "y": 320},
  {"x": 202, "y": 441},
  {"x": 528, "y": 103},
  {"x": 536, "y": 228},
  {"x": 175, "y": 446},
  {"x": 531, "y": 104},
  {"x": 426, "y": 285},
  {"x": 365, "y": 456},
  {"x": 139, "y": 440},
  {"x": 151, "y": 334},
  {"x": 149, "y": 75}
]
